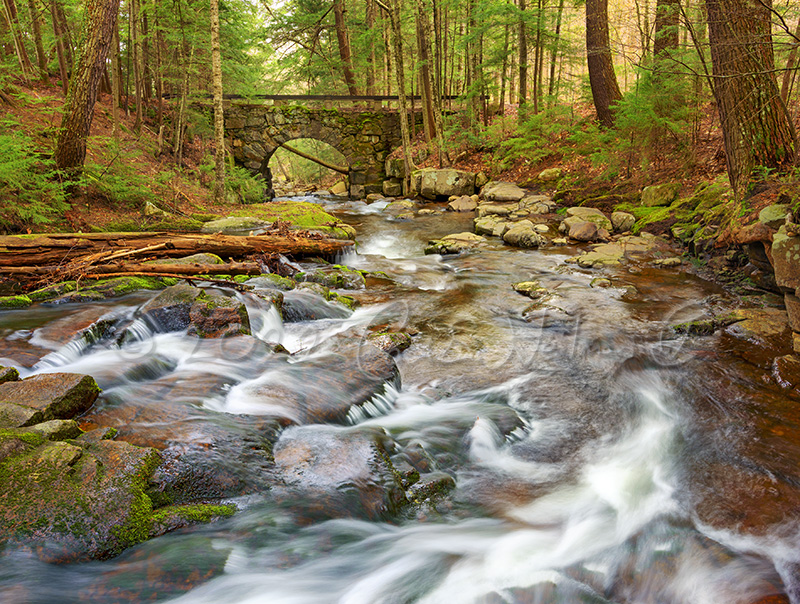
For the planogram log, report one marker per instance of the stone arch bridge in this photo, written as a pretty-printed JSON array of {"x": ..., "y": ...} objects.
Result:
[{"x": 365, "y": 138}]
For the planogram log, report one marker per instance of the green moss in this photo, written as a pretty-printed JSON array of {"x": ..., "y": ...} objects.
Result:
[
  {"x": 53, "y": 291},
  {"x": 11, "y": 302},
  {"x": 200, "y": 512},
  {"x": 205, "y": 217},
  {"x": 347, "y": 301},
  {"x": 300, "y": 215},
  {"x": 140, "y": 521},
  {"x": 124, "y": 285},
  {"x": 29, "y": 438},
  {"x": 281, "y": 283},
  {"x": 178, "y": 223}
]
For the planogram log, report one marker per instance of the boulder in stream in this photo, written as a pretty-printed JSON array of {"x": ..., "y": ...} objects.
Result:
[
  {"x": 501, "y": 191},
  {"x": 206, "y": 313},
  {"x": 328, "y": 472}
]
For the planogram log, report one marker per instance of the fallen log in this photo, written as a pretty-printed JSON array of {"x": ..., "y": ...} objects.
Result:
[
  {"x": 38, "y": 250},
  {"x": 127, "y": 268}
]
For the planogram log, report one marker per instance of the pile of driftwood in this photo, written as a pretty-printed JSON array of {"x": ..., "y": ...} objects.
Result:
[{"x": 49, "y": 258}]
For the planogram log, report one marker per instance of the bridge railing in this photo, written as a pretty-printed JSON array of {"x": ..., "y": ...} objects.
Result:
[{"x": 376, "y": 101}]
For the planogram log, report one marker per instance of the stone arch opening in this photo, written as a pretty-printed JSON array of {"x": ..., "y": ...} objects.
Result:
[{"x": 286, "y": 166}]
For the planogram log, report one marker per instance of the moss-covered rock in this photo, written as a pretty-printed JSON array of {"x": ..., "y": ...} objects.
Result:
[
  {"x": 13, "y": 302},
  {"x": 334, "y": 277},
  {"x": 75, "y": 500},
  {"x": 300, "y": 215},
  {"x": 272, "y": 281},
  {"x": 233, "y": 224},
  {"x": 44, "y": 397},
  {"x": 174, "y": 517},
  {"x": 660, "y": 195}
]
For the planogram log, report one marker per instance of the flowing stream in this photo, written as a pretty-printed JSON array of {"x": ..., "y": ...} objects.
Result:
[{"x": 597, "y": 456}]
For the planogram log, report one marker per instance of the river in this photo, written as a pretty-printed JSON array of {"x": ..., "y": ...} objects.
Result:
[{"x": 597, "y": 456}]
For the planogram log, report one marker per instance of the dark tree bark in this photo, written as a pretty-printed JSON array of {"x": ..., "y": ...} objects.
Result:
[
  {"x": 219, "y": 128},
  {"x": 99, "y": 22},
  {"x": 603, "y": 80},
  {"x": 41, "y": 56},
  {"x": 755, "y": 126},
  {"x": 791, "y": 65},
  {"x": 523, "y": 55},
  {"x": 12, "y": 18},
  {"x": 61, "y": 50},
  {"x": 666, "y": 32},
  {"x": 551, "y": 88},
  {"x": 345, "y": 52}
]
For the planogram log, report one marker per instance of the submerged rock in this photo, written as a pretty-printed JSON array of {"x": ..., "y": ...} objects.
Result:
[{"x": 328, "y": 472}]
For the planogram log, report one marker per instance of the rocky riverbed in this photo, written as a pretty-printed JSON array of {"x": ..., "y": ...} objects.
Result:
[{"x": 496, "y": 398}]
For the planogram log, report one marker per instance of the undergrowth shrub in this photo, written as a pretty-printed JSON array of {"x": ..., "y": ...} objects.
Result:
[
  {"x": 531, "y": 139},
  {"x": 653, "y": 122},
  {"x": 30, "y": 193},
  {"x": 116, "y": 180}
]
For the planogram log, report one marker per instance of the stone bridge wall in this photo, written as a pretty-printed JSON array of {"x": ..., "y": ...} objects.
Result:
[{"x": 364, "y": 138}]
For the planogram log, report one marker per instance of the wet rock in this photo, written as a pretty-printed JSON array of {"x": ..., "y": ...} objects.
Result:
[
  {"x": 310, "y": 303},
  {"x": 328, "y": 472},
  {"x": 600, "y": 282},
  {"x": 497, "y": 190},
  {"x": 169, "y": 310},
  {"x": 324, "y": 389},
  {"x": 272, "y": 281},
  {"x": 8, "y": 374},
  {"x": 401, "y": 205},
  {"x": 92, "y": 322},
  {"x": 523, "y": 234},
  {"x": 660, "y": 195},
  {"x": 334, "y": 277},
  {"x": 532, "y": 289},
  {"x": 538, "y": 204},
  {"x": 233, "y": 224},
  {"x": 496, "y": 209},
  {"x": 214, "y": 315},
  {"x": 434, "y": 184},
  {"x": 622, "y": 221},
  {"x": 390, "y": 342},
  {"x": 590, "y": 215},
  {"x": 583, "y": 231},
  {"x": 206, "y": 313},
  {"x": 667, "y": 262},
  {"x": 44, "y": 397},
  {"x": 454, "y": 244},
  {"x": 486, "y": 225},
  {"x": 766, "y": 328},
  {"x": 465, "y": 203},
  {"x": 431, "y": 487},
  {"x": 99, "y": 290},
  {"x": 76, "y": 501}
]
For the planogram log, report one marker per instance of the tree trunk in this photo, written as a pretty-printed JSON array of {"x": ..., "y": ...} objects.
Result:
[
  {"x": 551, "y": 89},
  {"x": 755, "y": 126},
  {"x": 10, "y": 8},
  {"x": 603, "y": 80},
  {"x": 136, "y": 40},
  {"x": 666, "y": 33},
  {"x": 791, "y": 65},
  {"x": 397, "y": 51},
  {"x": 426, "y": 75},
  {"x": 60, "y": 48},
  {"x": 54, "y": 248},
  {"x": 504, "y": 71},
  {"x": 369, "y": 19},
  {"x": 219, "y": 128},
  {"x": 523, "y": 56},
  {"x": 343, "y": 39},
  {"x": 99, "y": 22},
  {"x": 41, "y": 56}
]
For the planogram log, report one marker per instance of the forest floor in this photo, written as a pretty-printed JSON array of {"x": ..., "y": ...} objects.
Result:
[{"x": 125, "y": 168}]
